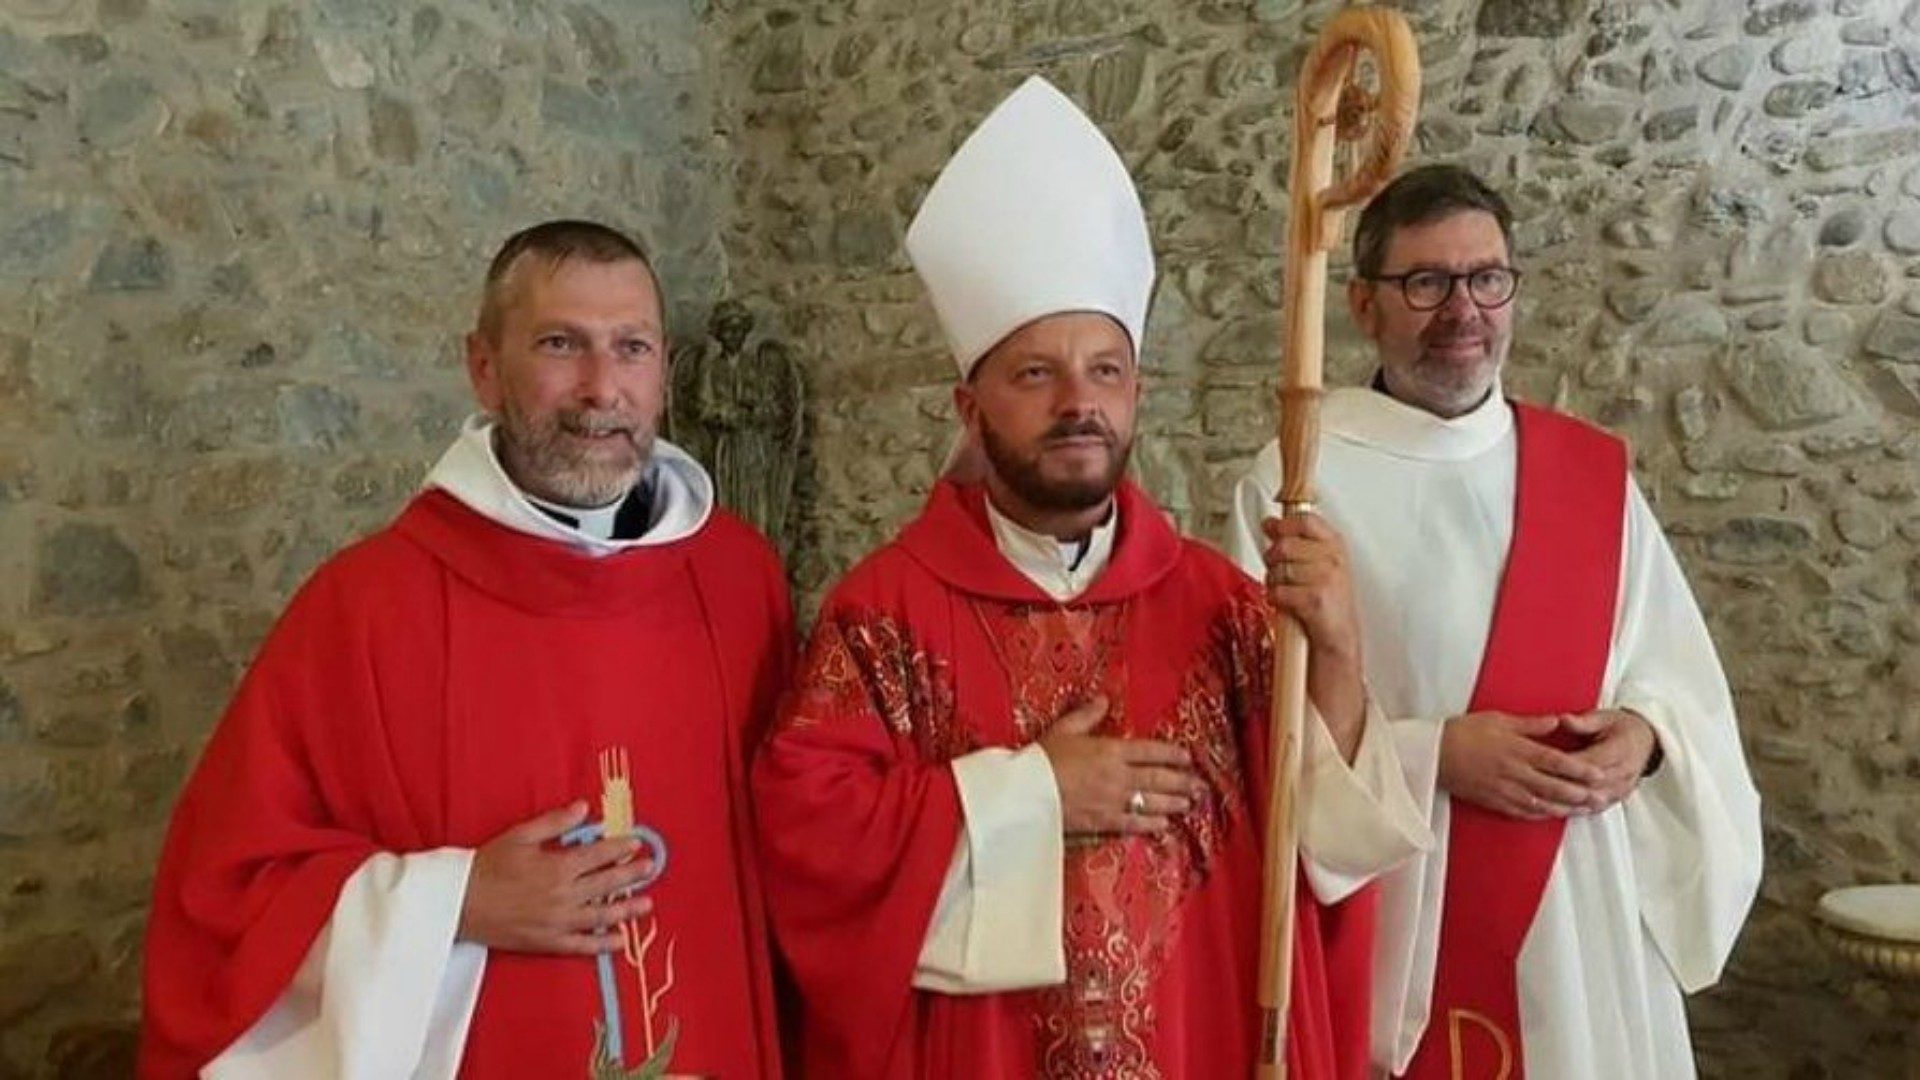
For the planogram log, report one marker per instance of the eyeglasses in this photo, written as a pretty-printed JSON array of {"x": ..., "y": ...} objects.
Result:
[{"x": 1426, "y": 290}]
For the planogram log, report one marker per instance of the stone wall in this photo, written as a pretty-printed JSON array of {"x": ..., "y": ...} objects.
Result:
[
  {"x": 238, "y": 245},
  {"x": 1720, "y": 221},
  {"x": 238, "y": 242}
]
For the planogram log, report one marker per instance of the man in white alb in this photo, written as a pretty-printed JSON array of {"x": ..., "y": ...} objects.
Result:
[{"x": 1556, "y": 699}]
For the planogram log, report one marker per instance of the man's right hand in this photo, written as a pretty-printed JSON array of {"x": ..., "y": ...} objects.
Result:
[
  {"x": 524, "y": 897},
  {"x": 1099, "y": 775},
  {"x": 1494, "y": 760}
]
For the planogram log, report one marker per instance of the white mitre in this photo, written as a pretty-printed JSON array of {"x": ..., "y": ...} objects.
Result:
[{"x": 1034, "y": 216}]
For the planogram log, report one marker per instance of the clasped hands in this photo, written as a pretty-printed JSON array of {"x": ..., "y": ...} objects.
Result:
[
  {"x": 1492, "y": 759},
  {"x": 1497, "y": 760}
]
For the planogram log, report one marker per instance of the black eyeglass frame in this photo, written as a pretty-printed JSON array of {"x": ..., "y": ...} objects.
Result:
[{"x": 1453, "y": 282}]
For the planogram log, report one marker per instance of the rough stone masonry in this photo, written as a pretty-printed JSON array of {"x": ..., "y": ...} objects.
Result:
[
  {"x": 1719, "y": 212},
  {"x": 238, "y": 246},
  {"x": 238, "y": 243}
]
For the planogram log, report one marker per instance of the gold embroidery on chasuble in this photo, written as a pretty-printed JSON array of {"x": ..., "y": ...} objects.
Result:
[
  {"x": 860, "y": 665},
  {"x": 1123, "y": 895},
  {"x": 652, "y": 976}
]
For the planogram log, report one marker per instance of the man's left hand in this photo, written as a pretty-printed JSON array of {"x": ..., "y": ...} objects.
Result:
[{"x": 1623, "y": 744}]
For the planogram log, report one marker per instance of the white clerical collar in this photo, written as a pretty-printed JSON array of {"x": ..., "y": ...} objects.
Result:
[
  {"x": 681, "y": 494},
  {"x": 596, "y": 521},
  {"x": 1371, "y": 418},
  {"x": 1050, "y": 564}
]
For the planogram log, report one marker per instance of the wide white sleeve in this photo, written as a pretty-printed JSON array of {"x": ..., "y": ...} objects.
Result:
[
  {"x": 1694, "y": 826},
  {"x": 1253, "y": 503},
  {"x": 1359, "y": 819},
  {"x": 385, "y": 991},
  {"x": 997, "y": 923}
]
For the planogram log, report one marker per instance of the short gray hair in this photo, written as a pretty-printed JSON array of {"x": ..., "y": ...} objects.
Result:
[{"x": 554, "y": 243}]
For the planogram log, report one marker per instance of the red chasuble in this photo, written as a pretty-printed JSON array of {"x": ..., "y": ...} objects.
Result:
[
  {"x": 438, "y": 683},
  {"x": 1546, "y": 653},
  {"x": 936, "y": 646}
]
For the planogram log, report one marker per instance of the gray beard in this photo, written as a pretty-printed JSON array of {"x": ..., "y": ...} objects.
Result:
[
  {"x": 543, "y": 463},
  {"x": 1436, "y": 390}
]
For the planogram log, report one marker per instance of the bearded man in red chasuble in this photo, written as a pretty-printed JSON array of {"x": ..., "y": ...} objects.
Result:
[
  {"x": 1011, "y": 808},
  {"x": 415, "y": 844}
]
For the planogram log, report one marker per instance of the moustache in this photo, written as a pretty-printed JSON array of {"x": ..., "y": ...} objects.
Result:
[
  {"x": 1449, "y": 328},
  {"x": 597, "y": 423},
  {"x": 1455, "y": 334},
  {"x": 1073, "y": 429}
]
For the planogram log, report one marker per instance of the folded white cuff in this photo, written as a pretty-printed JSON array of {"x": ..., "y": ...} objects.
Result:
[
  {"x": 997, "y": 924},
  {"x": 1361, "y": 819}
]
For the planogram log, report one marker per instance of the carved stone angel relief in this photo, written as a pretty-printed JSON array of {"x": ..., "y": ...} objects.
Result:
[{"x": 737, "y": 404}]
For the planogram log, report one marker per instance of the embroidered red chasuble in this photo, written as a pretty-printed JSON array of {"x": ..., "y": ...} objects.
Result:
[
  {"x": 438, "y": 683},
  {"x": 936, "y": 646},
  {"x": 1546, "y": 653}
]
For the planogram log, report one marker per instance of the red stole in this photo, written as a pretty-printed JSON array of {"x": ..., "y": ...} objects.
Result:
[{"x": 1546, "y": 653}]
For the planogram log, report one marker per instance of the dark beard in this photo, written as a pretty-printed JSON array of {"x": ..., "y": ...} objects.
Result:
[{"x": 1022, "y": 476}]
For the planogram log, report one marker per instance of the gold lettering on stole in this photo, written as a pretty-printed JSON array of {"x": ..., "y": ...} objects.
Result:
[{"x": 1457, "y": 1023}]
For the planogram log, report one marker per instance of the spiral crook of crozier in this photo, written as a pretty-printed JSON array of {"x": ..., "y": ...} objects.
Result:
[
  {"x": 1353, "y": 118},
  {"x": 1376, "y": 123}
]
